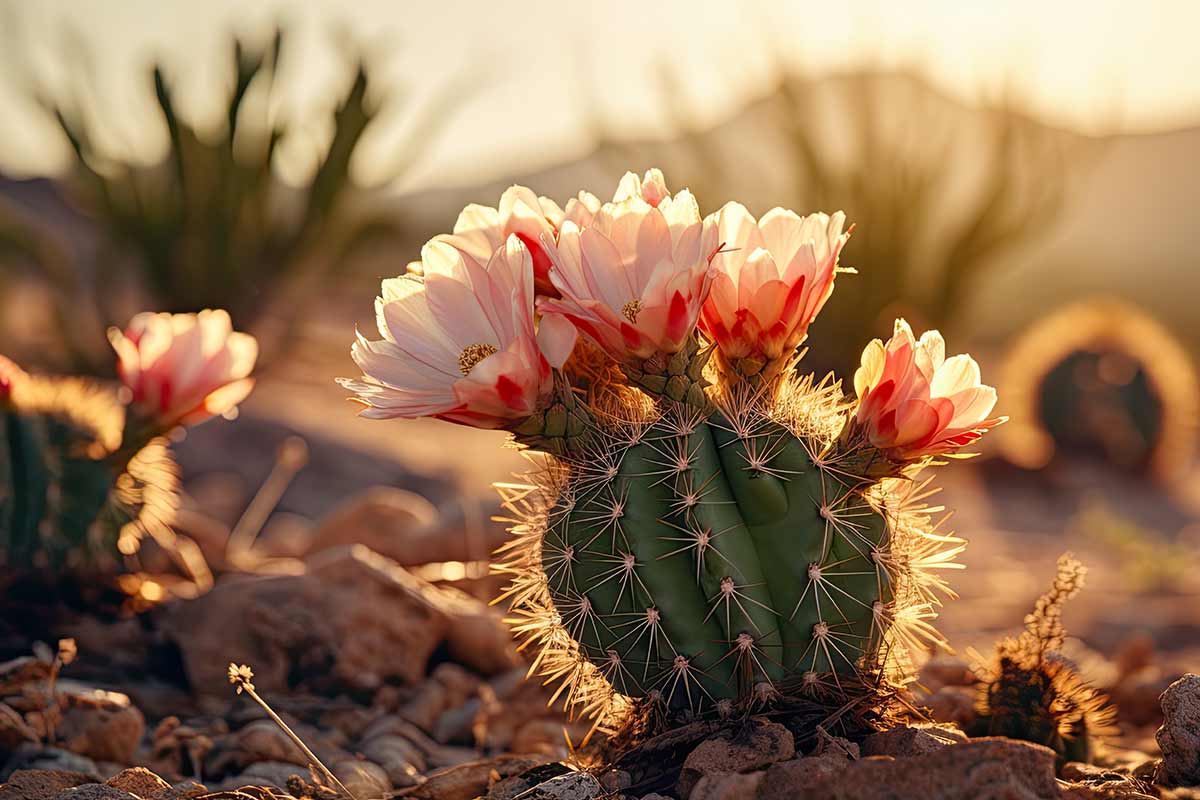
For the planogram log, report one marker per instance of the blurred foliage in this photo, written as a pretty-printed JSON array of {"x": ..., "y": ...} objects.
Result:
[
  {"x": 1102, "y": 378},
  {"x": 936, "y": 195},
  {"x": 1149, "y": 560},
  {"x": 211, "y": 225}
]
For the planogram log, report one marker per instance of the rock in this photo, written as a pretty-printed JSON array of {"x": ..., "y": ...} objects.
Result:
[
  {"x": 980, "y": 769},
  {"x": 426, "y": 705},
  {"x": 363, "y": 778},
  {"x": 616, "y": 780},
  {"x": 95, "y": 791},
  {"x": 40, "y": 784},
  {"x": 401, "y": 760},
  {"x": 477, "y": 636},
  {"x": 781, "y": 780},
  {"x": 572, "y": 786},
  {"x": 354, "y": 620},
  {"x": 275, "y": 773},
  {"x": 726, "y": 786},
  {"x": 101, "y": 725},
  {"x": 185, "y": 790},
  {"x": 139, "y": 781},
  {"x": 36, "y": 757},
  {"x": 756, "y": 746},
  {"x": 1179, "y": 736},
  {"x": 946, "y": 670},
  {"x": 407, "y": 528},
  {"x": 467, "y": 781},
  {"x": 912, "y": 740},
  {"x": 13, "y": 729},
  {"x": 517, "y": 785},
  {"x": 954, "y": 704},
  {"x": 1137, "y": 696}
]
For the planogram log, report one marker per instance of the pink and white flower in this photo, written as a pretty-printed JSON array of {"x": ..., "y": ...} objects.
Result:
[
  {"x": 482, "y": 230},
  {"x": 914, "y": 402},
  {"x": 772, "y": 277},
  {"x": 634, "y": 280},
  {"x": 459, "y": 342},
  {"x": 182, "y": 369},
  {"x": 10, "y": 375}
]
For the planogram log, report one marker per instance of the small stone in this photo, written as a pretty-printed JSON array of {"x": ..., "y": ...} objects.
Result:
[
  {"x": 945, "y": 670},
  {"x": 101, "y": 725},
  {"x": 467, "y": 781},
  {"x": 95, "y": 791},
  {"x": 954, "y": 704},
  {"x": 1179, "y": 736},
  {"x": 139, "y": 781},
  {"x": 980, "y": 768},
  {"x": 758, "y": 745},
  {"x": 363, "y": 778},
  {"x": 573, "y": 786},
  {"x": 426, "y": 704},
  {"x": 401, "y": 760},
  {"x": 616, "y": 780},
  {"x": 912, "y": 740},
  {"x": 273, "y": 772},
  {"x": 36, "y": 757},
  {"x": 726, "y": 786},
  {"x": 40, "y": 784}
]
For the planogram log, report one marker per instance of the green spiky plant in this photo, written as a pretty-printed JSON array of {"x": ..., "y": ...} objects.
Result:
[
  {"x": 211, "y": 224},
  {"x": 74, "y": 492},
  {"x": 707, "y": 530},
  {"x": 695, "y": 549},
  {"x": 1031, "y": 691}
]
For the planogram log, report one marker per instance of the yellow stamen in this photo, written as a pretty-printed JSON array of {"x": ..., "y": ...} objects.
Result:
[
  {"x": 631, "y": 310},
  {"x": 471, "y": 355}
]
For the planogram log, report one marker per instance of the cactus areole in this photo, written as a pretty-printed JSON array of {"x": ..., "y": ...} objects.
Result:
[{"x": 705, "y": 527}]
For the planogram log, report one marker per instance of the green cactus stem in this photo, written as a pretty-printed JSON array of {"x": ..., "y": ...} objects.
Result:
[{"x": 701, "y": 555}]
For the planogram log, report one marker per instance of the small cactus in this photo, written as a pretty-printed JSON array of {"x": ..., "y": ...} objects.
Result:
[
  {"x": 1032, "y": 692},
  {"x": 85, "y": 469},
  {"x": 61, "y": 463},
  {"x": 698, "y": 534}
]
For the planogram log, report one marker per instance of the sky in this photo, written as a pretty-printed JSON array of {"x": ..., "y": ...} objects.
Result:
[{"x": 535, "y": 76}]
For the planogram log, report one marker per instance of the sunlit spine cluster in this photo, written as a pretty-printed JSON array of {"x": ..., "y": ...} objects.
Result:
[{"x": 704, "y": 528}]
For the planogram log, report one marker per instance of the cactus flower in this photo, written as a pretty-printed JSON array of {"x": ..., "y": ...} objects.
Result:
[
  {"x": 634, "y": 280},
  {"x": 10, "y": 373},
  {"x": 482, "y": 230},
  {"x": 772, "y": 277},
  {"x": 914, "y": 402},
  {"x": 459, "y": 342},
  {"x": 184, "y": 368}
]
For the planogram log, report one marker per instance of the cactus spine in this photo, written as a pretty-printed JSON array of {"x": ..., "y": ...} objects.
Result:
[{"x": 701, "y": 555}]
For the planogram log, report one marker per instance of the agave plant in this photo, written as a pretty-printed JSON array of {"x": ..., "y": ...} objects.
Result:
[
  {"x": 211, "y": 225},
  {"x": 705, "y": 529}
]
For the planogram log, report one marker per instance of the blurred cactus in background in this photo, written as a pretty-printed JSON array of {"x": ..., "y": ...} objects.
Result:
[
  {"x": 939, "y": 195},
  {"x": 1102, "y": 378},
  {"x": 86, "y": 473},
  {"x": 210, "y": 225}
]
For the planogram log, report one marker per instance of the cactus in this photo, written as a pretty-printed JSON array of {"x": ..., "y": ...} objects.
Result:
[
  {"x": 702, "y": 554},
  {"x": 70, "y": 494},
  {"x": 1032, "y": 692},
  {"x": 699, "y": 534}
]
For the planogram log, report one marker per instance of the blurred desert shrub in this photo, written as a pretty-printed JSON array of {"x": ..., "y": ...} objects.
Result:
[
  {"x": 939, "y": 191},
  {"x": 1101, "y": 378},
  {"x": 211, "y": 224}
]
